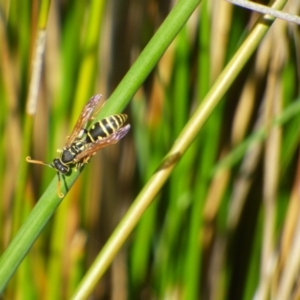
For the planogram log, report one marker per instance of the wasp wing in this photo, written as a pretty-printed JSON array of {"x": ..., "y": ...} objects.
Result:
[
  {"x": 85, "y": 116},
  {"x": 92, "y": 148}
]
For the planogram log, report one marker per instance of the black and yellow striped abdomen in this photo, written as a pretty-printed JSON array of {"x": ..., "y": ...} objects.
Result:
[{"x": 105, "y": 127}]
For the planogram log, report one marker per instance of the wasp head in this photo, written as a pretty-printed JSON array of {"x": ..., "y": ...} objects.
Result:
[{"x": 58, "y": 165}]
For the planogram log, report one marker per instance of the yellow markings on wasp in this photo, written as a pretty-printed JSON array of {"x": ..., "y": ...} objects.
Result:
[{"x": 103, "y": 127}]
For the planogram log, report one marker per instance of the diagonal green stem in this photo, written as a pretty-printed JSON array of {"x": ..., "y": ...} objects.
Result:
[{"x": 48, "y": 203}]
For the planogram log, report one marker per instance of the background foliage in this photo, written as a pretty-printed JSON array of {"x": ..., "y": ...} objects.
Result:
[{"x": 225, "y": 225}]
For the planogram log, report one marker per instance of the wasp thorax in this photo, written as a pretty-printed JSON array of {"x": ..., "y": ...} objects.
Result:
[{"x": 67, "y": 155}]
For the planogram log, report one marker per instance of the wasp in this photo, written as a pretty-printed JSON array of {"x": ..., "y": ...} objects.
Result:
[{"x": 83, "y": 143}]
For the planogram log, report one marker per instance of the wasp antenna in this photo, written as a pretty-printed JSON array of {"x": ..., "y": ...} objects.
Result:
[{"x": 28, "y": 159}]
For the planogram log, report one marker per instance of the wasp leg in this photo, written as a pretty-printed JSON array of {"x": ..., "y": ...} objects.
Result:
[
  {"x": 79, "y": 164},
  {"x": 59, "y": 194}
]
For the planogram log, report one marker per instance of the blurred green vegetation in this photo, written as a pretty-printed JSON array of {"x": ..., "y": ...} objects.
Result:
[{"x": 223, "y": 224}]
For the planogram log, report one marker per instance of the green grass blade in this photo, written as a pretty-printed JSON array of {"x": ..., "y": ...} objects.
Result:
[{"x": 27, "y": 234}]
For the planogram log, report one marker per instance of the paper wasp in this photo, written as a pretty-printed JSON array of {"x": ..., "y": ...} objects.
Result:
[{"x": 83, "y": 143}]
